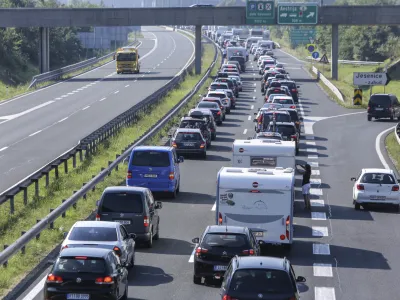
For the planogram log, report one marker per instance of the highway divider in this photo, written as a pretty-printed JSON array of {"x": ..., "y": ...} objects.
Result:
[
  {"x": 88, "y": 146},
  {"x": 329, "y": 84},
  {"x": 59, "y": 73}
]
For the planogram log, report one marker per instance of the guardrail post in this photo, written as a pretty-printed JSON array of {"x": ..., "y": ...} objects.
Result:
[
  {"x": 74, "y": 160},
  {"x": 66, "y": 166},
  {"x": 80, "y": 155},
  {"x": 51, "y": 223},
  {"x": 5, "y": 264},
  {"x": 23, "y": 247},
  {"x": 109, "y": 163},
  {"x": 65, "y": 212},
  {"x": 38, "y": 235},
  {"x": 55, "y": 171},
  {"x": 94, "y": 187},
  {"x": 47, "y": 178},
  {"x": 84, "y": 196},
  {"x": 12, "y": 207},
  {"x": 117, "y": 166},
  {"x": 25, "y": 191},
  {"x": 36, "y": 181}
]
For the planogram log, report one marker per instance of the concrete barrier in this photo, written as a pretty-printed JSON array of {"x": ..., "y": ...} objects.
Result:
[{"x": 329, "y": 84}]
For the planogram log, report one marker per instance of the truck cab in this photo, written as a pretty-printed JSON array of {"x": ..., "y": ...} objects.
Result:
[{"x": 127, "y": 59}]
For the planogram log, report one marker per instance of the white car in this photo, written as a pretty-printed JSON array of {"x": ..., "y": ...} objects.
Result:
[
  {"x": 220, "y": 94},
  {"x": 285, "y": 101},
  {"x": 376, "y": 186}
]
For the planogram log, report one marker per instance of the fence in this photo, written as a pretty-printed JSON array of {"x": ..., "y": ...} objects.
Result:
[
  {"x": 90, "y": 143},
  {"x": 329, "y": 84},
  {"x": 57, "y": 74},
  {"x": 351, "y": 62}
]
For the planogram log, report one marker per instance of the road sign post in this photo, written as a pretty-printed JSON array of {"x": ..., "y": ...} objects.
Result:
[
  {"x": 297, "y": 13},
  {"x": 357, "y": 99},
  {"x": 370, "y": 78},
  {"x": 260, "y": 12}
]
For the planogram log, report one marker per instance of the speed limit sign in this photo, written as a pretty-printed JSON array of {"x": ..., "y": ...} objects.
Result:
[{"x": 268, "y": 6}]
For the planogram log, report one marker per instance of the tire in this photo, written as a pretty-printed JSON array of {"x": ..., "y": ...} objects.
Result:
[
  {"x": 297, "y": 151},
  {"x": 172, "y": 195},
  {"x": 132, "y": 264},
  {"x": 157, "y": 235},
  {"x": 391, "y": 117},
  {"x": 179, "y": 187},
  {"x": 369, "y": 118},
  {"x": 213, "y": 136},
  {"x": 196, "y": 279},
  {"x": 149, "y": 243},
  {"x": 204, "y": 156},
  {"x": 357, "y": 206},
  {"x": 219, "y": 123},
  {"x": 125, "y": 295}
]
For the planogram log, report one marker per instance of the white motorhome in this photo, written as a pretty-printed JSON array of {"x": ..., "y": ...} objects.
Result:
[
  {"x": 260, "y": 199},
  {"x": 263, "y": 153},
  {"x": 252, "y": 40}
]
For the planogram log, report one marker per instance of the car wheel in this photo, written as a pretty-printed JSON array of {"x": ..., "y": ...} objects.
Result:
[
  {"x": 391, "y": 117},
  {"x": 125, "y": 295},
  {"x": 297, "y": 151},
  {"x": 157, "y": 236},
  {"x": 204, "y": 155},
  {"x": 214, "y": 136},
  {"x": 219, "y": 123},
  {"x": 357, "y": 206},
  {"x": 397, "y": 207},
  {"x": 179, "y": 187},
  {"x": 196, "y": 279},
  {"x": 172, "y": 195},
  {"x": 132, "y": 263},
  {"x": 369, "y": 118},
  {"x": 150, "y": 241}
]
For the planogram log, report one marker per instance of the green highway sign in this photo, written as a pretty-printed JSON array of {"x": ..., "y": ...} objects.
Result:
[
  {"x": 260, "y": 12},
  {"x": 297, "y": 13}
]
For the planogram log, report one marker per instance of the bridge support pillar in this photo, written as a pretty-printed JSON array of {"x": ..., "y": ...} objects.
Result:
[
  {"x": 335, "y": 52},
  {"x": 197, "y": 57},
  {"x": 44, "y": 50}
]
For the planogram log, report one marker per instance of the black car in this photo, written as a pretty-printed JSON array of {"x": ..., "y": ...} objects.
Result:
[
  {"x": 188, "y": 122},
  {"x": 294, "y": 115},
  {"x": 214, "y": 108},
  {"x": 205, "y": 114},
  {"x": 189, "y": 141},
  {"x": 383, "y": 106},
  {"x": 87, "y": 273},
  {"x": 269, "y": 116},
  {"x": 222, "y": 75},
  {"x": 241, "y": 60},
  {"x": 216, "y": 247},
  {"x": 293, "y": 88},
  {"x": 230, "y": 83},
  {"x": 287, "y": 130},
  {"x": 260, "y": 278}
]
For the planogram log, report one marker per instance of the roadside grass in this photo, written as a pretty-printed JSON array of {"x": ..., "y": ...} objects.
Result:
[
  {"x": 393, "y": 148},
  {"x": 11, "y": 226},
  {"x": 132, "y": 35}
]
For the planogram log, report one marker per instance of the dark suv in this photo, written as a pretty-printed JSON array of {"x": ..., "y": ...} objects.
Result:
[
  {"x": 207, "y": 115},
  {"x": 383, "y": 106},
  {"x": 188, "y": 122},
  {"x": 216, "y": 247},
  {"x": 260, "y": 278}
]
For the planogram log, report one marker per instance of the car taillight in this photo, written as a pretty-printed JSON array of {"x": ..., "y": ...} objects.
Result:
[
  {"x": 97, "y": 217},
  {"x": 219, "y": 218},
  {"x": 129, "y": 175},
  {"x": 174, "y": 144},
  {"x": 64, "y": 247},
  {"x": 395, "y": 188},
  {"x": 104, "y": 280},
  {"x": 219, "y": 113},
  {"x": 293, "y": 106},
  {"x": 146, "y": 221},
  {"x": 294, "y": 90},
  {"x": 293, "y": 137},
  {"x": 292, "y": 298},
  {"x": 171, "y": 176},
  {"x": 248, "y": 252},
  {"x": 54, "y": 279},
  {"x": 221, "y": 107},
  {"x": 288, "y": 227},
  {"x": 202, "y": 145},
  {"x": 368, "y": 108},
  {"x": 117, "y": 251},
  {"x": 227, "y": 297},
  {"x": 360, "y": 187},
  {"x": 200, "y": 250}
]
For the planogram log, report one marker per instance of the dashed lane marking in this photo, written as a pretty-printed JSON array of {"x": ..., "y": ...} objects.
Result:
[
  {"x": 317, "y": 192},
  {"x": 318, "y": 216},
  {"x": 319, "y": 231},
  {"x": 249, "y": 118},
  {"x": 315, "y": 172},
  {"x": 245, "y": 131},
  {"x": 252, "y": 107},
  {"x": 62, "y": 120},
  {"x": 310, "y": 143},
  {"x": 317, "y": 203},
  {"x": 191, "y": 258},
  {"x": 312, "y": 157},
  {"x": 116, "y": 92},
  {"x": 4, "y": 148},
  {"x": 35, "y": 133},
  {"x": 214, "y": 207},
  {"x": 321, "y": 249},
  {"x": 102, "y": 99},
  {"x": 127, "y": 85},
  {"x": 312, "y": 150},
  {"x": 315, "y": 181},
  {"x": 85, "y": 107},
  {"x": 314, "y": 164},
  {"x": 324, "y": 293},
  {"x": 322, "y": 270},
  {"x": 309, "y": 137}
]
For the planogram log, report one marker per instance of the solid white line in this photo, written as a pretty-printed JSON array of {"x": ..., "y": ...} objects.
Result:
[
  {"x": 323, "y": 270},
  {"x": 309, "y": 137},
  {"x": 255, "y": 84},
  {"x": 315, "y": 181},
  {"x": 319, "y": 231},
  {"x": 314, "y": 164},
  {"x": 102, "y": 99},
  {"x": 252, "y": 107},
  {"x": 214, "y": 207},
  {"x": 116, "y": 92},
  {"x": 344, "y": 115},
  {"x": 312, "y": 150},
  {"x": 191, "y": 258},
  {"x": 315, "y": 172},
  {"x": 312, "y": 157},
  {"x": 317, "y": 192},
  {"x": 36, "y": 290},
  {"x": 70, "y": 93},
  {"x": 127, "y": 85},
  {"x": 62, "y": 120},
  {"x": 32, "y": 134},
  {"x": 292, "y": 56},
  {"x": 321, "y": 249},
  {"x": 4, "y": 148},
  {"x": 318, "y": 216},
  {"x": 378, "y": 148},
  {"x": 85, "y": 108},
  {"x": 325, "y": 293},
  {"x": 245, "y": 131},
  {"x": 249, "y": 118},
  {"x": 59, "y": 98},
  {"x": 317, "y": 202},
  {"x": 311, "y": 143}
]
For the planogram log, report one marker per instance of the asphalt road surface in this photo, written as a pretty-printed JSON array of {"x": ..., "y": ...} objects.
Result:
[
  {"x": 343, "y": 253},
  {"x": 37, "y": 128}
]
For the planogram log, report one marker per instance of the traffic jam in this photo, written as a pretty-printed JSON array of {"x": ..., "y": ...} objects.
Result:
[{"x": 254, "y": 194}]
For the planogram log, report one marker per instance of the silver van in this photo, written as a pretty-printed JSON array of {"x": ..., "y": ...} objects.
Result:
[{"x": 133, "y": 207}]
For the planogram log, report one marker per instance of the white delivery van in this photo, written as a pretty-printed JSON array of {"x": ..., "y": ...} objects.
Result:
[
  {"x": 263, "y": 153},
  {"x": 260, "y": 199}
]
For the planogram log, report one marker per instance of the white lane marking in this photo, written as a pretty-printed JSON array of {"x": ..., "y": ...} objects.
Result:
[
  {"x": 70, "y": 93},
  {"x": 63, "y": 96},
  {"x": 59, "y": 98},
  {"x": 292, "y": 56},
  {"x": 317, "y": 192},
  {"x": 312, "y": 150},
  {"x": 315, "y": 181},
  {"x": 344, "y": 115},
  {"x": 319, "y": 231},
  {"x": 116, "y": 92},
  {"x": 254, "y": 74},
  {"x": 314, "y": 164},
  {"x": 214, "y": 207},
  {"x": 80, "y": 89},
  {"x": 85, "y": 107},
  {"x": 252, "y": 107},
  {"x": 249, "y": 118},
  {"x": 255, "y": 91},
  {"x": 312, "y": 157},
  {"x": 311, "y": 143},
  {"x": 127, "y": 85},
  {"x": 318, "y": 216},
  {"x": 315, "y": 172},
  {"x": 4, "y": 148},
  {"x": 378, "y": 147},
  {"x": 191, "y": 258},
  {"x": 322, "y": 270},
  {"x": 245, "y": 131},
  {"x": 14, "y": 116},
  {"x": 309, "y": 137},
  {"x": 35, "y": 133},
  {"x": 36, "y": 290},
  {"x": 62, "y": 120},
  {"x": 325, "y": 293},
  {"x": 308, "y": 127},
  {"x": 292, "y": 68},
  {"x": 317, "y": 202},
  {"x": 255, "y": 84},
  {"x": 254, "y": 97},
  {"x": 321, "y": 249},
  {"x": 102, "y": 99}
]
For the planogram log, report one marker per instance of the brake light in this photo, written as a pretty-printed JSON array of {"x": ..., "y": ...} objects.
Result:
[
  {"x": 293, "y": 106},
  {"x": 395, "y": 188},
  {"x": 174, "y": 144},
  {"x": 227, "y": 297},
  {"x": 146, "y": 221},
  {"x": 219, "y": 218},
  {"x": 221, "y": 107},
  {"x": 97, "y": 217},
  {"x": 129, "y": 175},
  {"x": 202, "y": 145},
  {"x": 200, "y": 250},
  {"x": 117, "y": 250},
  {"x": 360, "y": 187},
  {"x": 54, "y": 279},
  {"x": 171, "y": 176},
  {"x": 294, "y": 137},
  {"x": 292, "y": 298},
  {"x": 64, "y": 247},
  {"x": 288, "y": 227},
  {"x": 248, "y": 252},
  {"x": 294, "y": 90},
  {"x": 104, "y": 280},
  {"x": 218, "y": 113},
  {"x": 81, "y": 257}
]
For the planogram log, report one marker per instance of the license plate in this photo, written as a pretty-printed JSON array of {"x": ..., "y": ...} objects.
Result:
[
  {"x": 220, "y": 268},
  {"x": 378, "y": 197},
  {"x": 124, "y": 222},
  {"x": 258, "y": 233},
  {"x": 78, "y": 296},
  {"x": 150, "y": 175},
  {"x": 188, "y": 144},
  {"x": 378, "y": 108}
]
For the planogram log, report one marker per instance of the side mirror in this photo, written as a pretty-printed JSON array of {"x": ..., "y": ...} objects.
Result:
[
  {"x": 181, "y": 159},
  {"x": 65, "y": 235},
  {"x": 398, "y": 180},
  {"x": 298, "y": 85},
  {"x": 158, "y": 205},
  {"x": 301, "y": 279},
  {"x": 132, "y": 236},
  {"x": 196, "y": 240},
  {"x": 353, "y": 179},
  {"x": 97, "y": 202}
]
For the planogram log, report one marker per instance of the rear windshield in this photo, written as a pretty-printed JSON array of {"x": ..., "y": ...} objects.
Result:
[
  {"x": 217, "y": 86},
  {"x": 181, "y": 136},
  {"x": 293, "y": 115},
  {"x": 80, "y": 265},
  {"x": 378, "y": 178},
  {"x": 285, "y": 129},
  {"x": 225, "y": 240},
  {"x": 150, "y": 159},
  {"x": 230, "y": 83},
  {"x": 215, "y": 95},
  {"x": 279, "y": 76},
  {"x": 380, "y": 100},
  {"x": 283, "y": 101},
  {"x": 279, "y": 117},
  {"x": 261, "y": 280},
  {"x": 290, "y": 85},
  {"x": 128, "y": 56},
  {"x": 122, "y": 203},
  {"x": 192, "y": 124},
  {"x": 207, "y": 104},
  {"x": 90, "y": 234}
]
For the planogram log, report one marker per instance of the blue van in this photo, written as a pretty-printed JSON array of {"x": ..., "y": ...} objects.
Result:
[{"x": 155, "y": 168}]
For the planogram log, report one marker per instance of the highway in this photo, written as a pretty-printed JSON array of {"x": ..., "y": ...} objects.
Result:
[
  {"x": 343, "y": 253},
  {"x": 38, "y": 127}
]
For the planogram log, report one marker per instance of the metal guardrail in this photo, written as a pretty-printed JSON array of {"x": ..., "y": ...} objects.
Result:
[
  {"x": 57, "y": 74},
  {"x": 90, "y": 143},
  {"x": 329, "y": 84},
  {"x": 397, "y": 132},
  {"x": 350, "y": 62}
]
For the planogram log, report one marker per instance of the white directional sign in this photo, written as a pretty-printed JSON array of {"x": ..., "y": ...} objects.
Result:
[{"x": 370, "y": 78}]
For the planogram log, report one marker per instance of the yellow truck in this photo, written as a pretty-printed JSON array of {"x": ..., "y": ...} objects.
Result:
[{"x": 127, "y": 59}]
